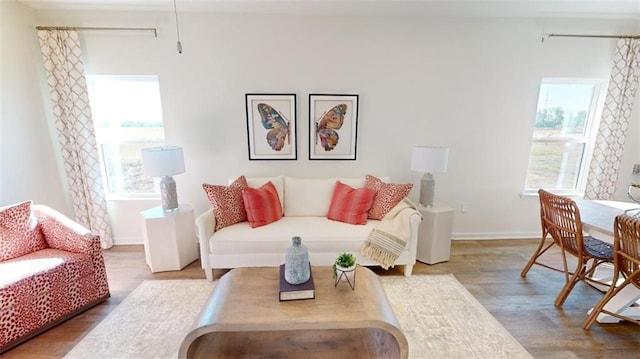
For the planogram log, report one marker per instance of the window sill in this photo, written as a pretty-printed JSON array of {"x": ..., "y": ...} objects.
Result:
[
  {"x": 572, "y": 195},
  {"x": 117, "y": 198}
]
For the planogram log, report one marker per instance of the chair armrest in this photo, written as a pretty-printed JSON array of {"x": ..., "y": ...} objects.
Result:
[
  {"x": 60, "y": 232},
  {"x": 205, "y": 224}
]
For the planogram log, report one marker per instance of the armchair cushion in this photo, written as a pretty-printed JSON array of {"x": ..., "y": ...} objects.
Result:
[{"x": 19, "y": 232}]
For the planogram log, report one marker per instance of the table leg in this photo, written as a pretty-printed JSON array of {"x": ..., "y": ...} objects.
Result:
[{"x": 621, "y": 304}]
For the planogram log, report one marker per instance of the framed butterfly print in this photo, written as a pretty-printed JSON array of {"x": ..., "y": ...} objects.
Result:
[
  {"x": 271, "y": 126},
  {"x": 333, "y": 127}
]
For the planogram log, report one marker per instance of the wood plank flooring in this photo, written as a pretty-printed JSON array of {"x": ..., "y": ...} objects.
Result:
[{"x": 490, "y": 270}]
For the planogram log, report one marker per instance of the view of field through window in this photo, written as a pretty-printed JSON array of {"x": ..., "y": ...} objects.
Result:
[
  {"x": 562, "y": 135},
  {"x": 128, "y": 117}
]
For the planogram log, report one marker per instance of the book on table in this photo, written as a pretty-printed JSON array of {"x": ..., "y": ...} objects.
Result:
[{"x": 289, "y": 291}]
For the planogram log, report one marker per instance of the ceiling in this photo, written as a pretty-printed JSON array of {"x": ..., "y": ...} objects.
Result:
[{"x": 601, "y": 9}]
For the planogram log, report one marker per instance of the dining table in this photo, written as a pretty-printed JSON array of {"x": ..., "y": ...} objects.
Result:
[{"x": 597, "y": 217}]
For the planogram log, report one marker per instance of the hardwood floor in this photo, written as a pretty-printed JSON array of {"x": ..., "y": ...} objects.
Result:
[{"x": 490, "y": 270}]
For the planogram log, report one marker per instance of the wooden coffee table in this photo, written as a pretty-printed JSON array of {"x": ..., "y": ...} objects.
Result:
[{"x": 243, "y": 318}]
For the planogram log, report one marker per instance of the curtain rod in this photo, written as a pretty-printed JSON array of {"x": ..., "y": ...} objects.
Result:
[
  {"x": 153, "y": 29},
  {"x": 596, "y": 36}
]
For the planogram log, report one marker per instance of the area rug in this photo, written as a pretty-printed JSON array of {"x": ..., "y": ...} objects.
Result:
[{"x": 439, "y": 317}]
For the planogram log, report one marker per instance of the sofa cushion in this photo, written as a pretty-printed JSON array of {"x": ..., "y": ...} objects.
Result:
[
  {"x": 388, "y": 195},
  {"x": 312, "y": 196},
  {"x": 19, "y": 232},
  {"x": 227, "y": 203},
  {"x": 319, "y": 234},
  {"x": 307, "y": 196},
  {"x": 262, "y": 205},
  {"x": 353, "y": 182},
  {"x": 350, "y": 205}
]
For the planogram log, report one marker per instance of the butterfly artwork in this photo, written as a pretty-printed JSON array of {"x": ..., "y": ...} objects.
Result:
[
  {"x": 327, "y": 126},
  {"x": 276, "y": 124}
]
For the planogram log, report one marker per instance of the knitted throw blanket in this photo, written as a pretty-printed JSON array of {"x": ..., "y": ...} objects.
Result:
[{"x": 385, "y": 242}]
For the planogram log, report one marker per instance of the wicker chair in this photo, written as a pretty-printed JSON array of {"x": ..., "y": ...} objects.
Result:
[
  {"x": 626, "y": 249},
  {"x": 561, "y": 218},
  {"x": 545, "y": 244}
]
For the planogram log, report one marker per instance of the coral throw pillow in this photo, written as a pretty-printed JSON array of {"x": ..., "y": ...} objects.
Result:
[
  {"x": 350, "y": 205},
  {"x": 262, "y": 204},
  {"x": 226, "y": 201},
  {"x": 388, "y": 195},
  {"x": 19, "y": 234}
]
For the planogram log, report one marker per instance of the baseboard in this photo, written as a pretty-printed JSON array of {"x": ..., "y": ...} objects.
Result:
[
  {"x": 455, "y": 236},
  {"x": 127, "y": 240},
  {"x": 495, "y": 235}
]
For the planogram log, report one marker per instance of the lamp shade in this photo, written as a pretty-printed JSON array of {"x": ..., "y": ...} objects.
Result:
[
  {"x": 429, "y": 159},
  {"x": 162, "y": 161}
]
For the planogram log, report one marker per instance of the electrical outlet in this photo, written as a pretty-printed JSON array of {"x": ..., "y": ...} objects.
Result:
[{"x": 465, "y": 207}]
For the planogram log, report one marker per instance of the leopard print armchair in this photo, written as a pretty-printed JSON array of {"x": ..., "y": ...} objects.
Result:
[{"x": 51, "y": 268}]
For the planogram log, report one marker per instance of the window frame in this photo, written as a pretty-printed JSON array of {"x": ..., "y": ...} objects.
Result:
[
  {"x": 109, "y": 193},
  {"x": 592, "y": 123}
]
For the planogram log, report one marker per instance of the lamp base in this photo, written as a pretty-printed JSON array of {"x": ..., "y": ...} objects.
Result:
[
  {"x": 427, "y": 189},
  {"x": 168, "y": 194}
]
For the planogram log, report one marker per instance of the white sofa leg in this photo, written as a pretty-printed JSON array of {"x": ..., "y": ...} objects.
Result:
[
  {"x": 407, "y": 270},
  {"x": 209, "y": 273}
]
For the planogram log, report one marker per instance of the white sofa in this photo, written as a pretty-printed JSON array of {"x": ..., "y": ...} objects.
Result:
[{"x": 305, "y": 204}]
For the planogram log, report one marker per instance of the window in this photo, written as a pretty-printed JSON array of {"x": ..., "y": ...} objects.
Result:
[
  {"x": 127, "y": 115},
  {"x": 566, "y": 124}
]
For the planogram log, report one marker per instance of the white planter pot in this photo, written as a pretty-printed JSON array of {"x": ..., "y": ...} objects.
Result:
[
  {"x": 634, "y": 193},
  {"x": 349, "y": 273}
]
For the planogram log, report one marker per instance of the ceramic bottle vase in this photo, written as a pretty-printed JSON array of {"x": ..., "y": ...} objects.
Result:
[{"x": 296, "y": 265}]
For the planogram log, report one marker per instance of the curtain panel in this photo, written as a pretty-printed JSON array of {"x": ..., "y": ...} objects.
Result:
[
  {"x": 62, "y": 58},
  {"x": 612, "y": 133}
]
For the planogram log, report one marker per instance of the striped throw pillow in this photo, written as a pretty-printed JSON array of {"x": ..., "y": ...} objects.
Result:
[
  {"x": 262, "y": 205},
  {"x": 350, "y": 205}
]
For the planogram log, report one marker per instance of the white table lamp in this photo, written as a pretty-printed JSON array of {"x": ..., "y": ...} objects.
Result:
[
  {"x": 164, "y": 162},
  {"x": 429, "y": 159}
]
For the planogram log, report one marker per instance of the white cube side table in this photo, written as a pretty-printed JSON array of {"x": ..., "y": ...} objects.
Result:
[
  {"x": 434, "y": 234},
  {"x": 169, "y": 238}
]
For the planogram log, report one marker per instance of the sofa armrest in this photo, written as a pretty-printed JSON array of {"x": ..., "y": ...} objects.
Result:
[
  {"x": 205, "y": 224},
  {"x": 415, "y": 220},
  {"x": 61, "y": 232}
]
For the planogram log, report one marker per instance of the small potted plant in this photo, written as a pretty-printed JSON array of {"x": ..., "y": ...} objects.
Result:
[{"x": 344, "y": 268}]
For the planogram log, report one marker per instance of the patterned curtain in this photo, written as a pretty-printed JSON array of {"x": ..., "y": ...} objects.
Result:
[
  {"x": 62, "y": 59},
  {"x": 612, "y": 133}
]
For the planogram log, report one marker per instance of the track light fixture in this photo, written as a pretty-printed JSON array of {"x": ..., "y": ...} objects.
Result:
[{"x": 175, "y": 12}]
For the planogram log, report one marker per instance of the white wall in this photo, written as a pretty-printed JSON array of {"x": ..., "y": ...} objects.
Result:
[
  {"x": 29, "y": 168},
  {"x": 468, "y": 84}
]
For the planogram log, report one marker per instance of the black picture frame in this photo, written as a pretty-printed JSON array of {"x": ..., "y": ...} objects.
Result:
[
  {"x": 271, "y": 126},
  {"x": 333, "y": 126}
]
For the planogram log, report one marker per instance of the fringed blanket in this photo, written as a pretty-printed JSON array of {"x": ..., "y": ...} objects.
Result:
[{"x": 386, "y": 241}]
